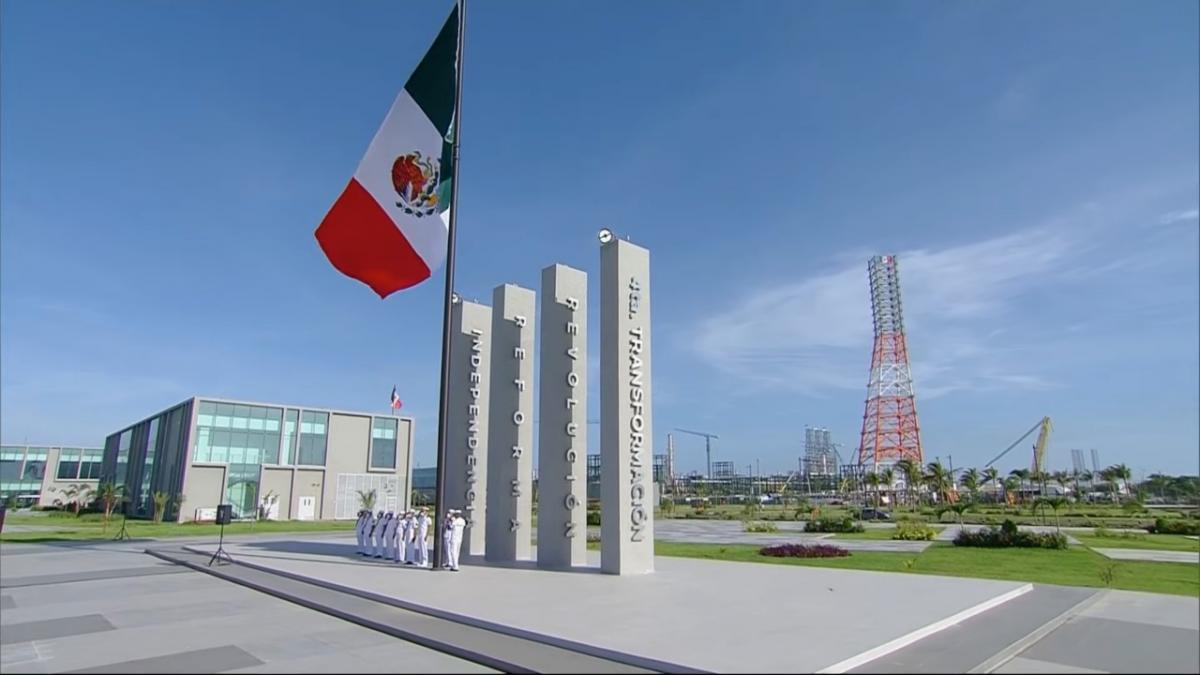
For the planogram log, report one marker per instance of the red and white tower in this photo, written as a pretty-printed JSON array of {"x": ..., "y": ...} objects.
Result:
[{"x": 890, "y": 431}]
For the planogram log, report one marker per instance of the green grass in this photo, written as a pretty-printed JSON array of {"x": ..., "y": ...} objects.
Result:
[
  {"x": 70, "y": 529},
  {"x": 1151, "y": 542},
  {"x": 1076, "y": 566},
  {"x": 867, "y": 534}
]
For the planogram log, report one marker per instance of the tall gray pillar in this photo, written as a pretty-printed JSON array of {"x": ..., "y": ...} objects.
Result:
[
  {"x": 467, "y": 440},
  {"x": 562, "y": 411},
  {"x": 510, "y": 434},
  {"x": 626, "y": 436}
]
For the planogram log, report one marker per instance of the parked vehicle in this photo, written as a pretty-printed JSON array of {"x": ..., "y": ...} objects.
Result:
[{"x": 870, "y": 513}]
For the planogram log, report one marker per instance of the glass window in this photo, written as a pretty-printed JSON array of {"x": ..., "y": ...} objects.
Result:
[
  {"x": 220, "y": 445},
  {"x": 289, "y": 436},
  {"x": 313, "y": 440},
  {"x": 10, "y": 469},
  {"x": 383, "y": 443},
  {"x": 148, "y": 467},
  {"x": 207, "y": 408},
  {"x": 89, "y": 468},
  {"x": 68, "y": 464},
  {"x": 35, "y": 470},
  {"x": 203, "y": 446}
]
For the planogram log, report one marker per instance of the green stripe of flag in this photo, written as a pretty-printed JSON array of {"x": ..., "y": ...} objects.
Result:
[{"x": 432, "y": 84}]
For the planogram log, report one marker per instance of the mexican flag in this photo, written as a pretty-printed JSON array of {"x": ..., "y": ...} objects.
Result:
[{"x": 389, "y": 227}]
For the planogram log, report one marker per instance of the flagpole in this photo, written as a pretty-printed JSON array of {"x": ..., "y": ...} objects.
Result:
[{"x": 439, "y": 554}]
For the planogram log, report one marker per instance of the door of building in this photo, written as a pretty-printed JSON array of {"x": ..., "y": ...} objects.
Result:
[{"x": 308, "y": 508}]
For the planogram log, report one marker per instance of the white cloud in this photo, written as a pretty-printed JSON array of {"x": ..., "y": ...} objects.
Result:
[
  {"x": 814, "y": 335},
  {"x": 1179, "y": 216}
]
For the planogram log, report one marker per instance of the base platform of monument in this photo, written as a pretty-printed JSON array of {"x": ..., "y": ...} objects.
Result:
[{"x": 702, "y": 614}]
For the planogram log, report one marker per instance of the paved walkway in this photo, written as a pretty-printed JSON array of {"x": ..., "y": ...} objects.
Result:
[
  {"x": 733, "y": 532},
  {"x": 109, "y": 607},
  {"x": 1147, "y": 554},
  {"x": 709, "y": 615}
]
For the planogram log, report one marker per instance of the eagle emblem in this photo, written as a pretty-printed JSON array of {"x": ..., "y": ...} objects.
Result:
[{"x": 416, "y": 179}]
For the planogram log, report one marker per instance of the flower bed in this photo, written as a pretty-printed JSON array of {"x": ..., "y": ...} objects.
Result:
[{"x": 803, "y": 551}]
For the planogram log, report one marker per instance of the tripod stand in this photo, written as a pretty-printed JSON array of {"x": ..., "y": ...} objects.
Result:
[
  {"x": 220, "y": 548},
  {"x": 124, "y": 533}
]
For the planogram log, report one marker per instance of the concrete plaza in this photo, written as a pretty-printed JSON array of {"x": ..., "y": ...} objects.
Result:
[{"x": 306, "y": 603}]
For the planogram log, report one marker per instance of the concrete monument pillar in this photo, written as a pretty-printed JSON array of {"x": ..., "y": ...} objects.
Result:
[
  {"x": 562, "y": 411},
  {"x": 510, "y": 434},
  {"x": 467, "y": 441},
  {"x": 626, "y": 435}
]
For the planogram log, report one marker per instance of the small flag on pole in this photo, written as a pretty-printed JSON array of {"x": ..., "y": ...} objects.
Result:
[
  {"x": 389, "y": 228},
  {"x": 395, "y": 399}
]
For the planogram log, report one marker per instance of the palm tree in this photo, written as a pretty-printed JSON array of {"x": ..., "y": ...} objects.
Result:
[
  {"x": 938, "y": 479},
  {"x": 873, "y": 481},
  {"x": 1055, "y": 503},
  {"x": 1022, "y": 475},
  {"x": 1123, "y": 473},
  {"x": 887, "y": 477},
  {"x": 1011, "y": 485},
  {"x": 991, "y": 476},
  {"x": 366, "y": 500},
  {"x": 959, "y": 508},
  {"x": 110, "y": 494},
  {"x": 912, "y": 478},
  {"x": 970, "y": 480},
  {"x": 1062, "y": 478},
  {"x": 160, "y": 505}
]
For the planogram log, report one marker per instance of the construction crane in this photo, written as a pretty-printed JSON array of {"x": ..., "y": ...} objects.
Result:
[
  {"x": 1039, "y": 448},
  {"x": 708, "y": 438}
]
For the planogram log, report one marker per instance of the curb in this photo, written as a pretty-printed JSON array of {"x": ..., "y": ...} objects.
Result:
[{"x": 905, "y": 640}]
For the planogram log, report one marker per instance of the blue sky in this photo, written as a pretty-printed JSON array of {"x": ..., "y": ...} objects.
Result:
[{"x": 1033, "y": 165}]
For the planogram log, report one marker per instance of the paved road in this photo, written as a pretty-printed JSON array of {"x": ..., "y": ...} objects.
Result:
[
  {"x": 1146, "y": 554},
  {"x": 109, "y": 607}
]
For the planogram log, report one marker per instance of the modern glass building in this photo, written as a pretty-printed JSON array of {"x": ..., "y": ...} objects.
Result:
[
  {"x": 273, "y": 460},
  {"x": 43, "y": 475}
]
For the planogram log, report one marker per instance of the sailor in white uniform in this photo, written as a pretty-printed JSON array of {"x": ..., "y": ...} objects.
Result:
[
  {"x": 447, "y": 536},
  {"x": 409, "y": 531},
  {"x": 360, "y": 529},
  {"x": 389, "y": 537},
  {"x": 368, "y": 528},
  {"x": 377, "y": 533},
  {"x": 422, "y": 537},
  {"x": 456, "y": 539}
]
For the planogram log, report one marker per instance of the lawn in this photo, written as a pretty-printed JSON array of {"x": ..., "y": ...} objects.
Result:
[
  {"x": 1154, "y": 542},
  {"x": 879, "y": 533},
  {"x": 1076, "y": 566},
  {"x": 72, "y": 529}
]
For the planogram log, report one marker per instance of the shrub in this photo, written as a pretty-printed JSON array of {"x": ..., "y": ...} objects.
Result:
[
  {"x": 759, "y": 526},
  {"x": 593, "y": 517},
  {"x": 1009, "y": 537},
  {"x": 593, "y": 538},
  {"x": 804, "y": 551},
  {"x": 1180, "y": 526},
  {"x": 914, "y": 531},
  {"x": 846, "y": 524}
]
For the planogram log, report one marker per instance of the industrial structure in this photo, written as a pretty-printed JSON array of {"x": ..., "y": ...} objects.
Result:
[
  {"x": 890, "y": 431},
  {"x": 1038, "y": 465},
  {"x": 1078, "y": 465},
  {"x": 820, "y": 459}
]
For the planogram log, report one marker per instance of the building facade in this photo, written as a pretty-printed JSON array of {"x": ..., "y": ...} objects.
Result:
[
  {"x": 273, "y": 461},
  {"x": 45, "y": 475}
]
